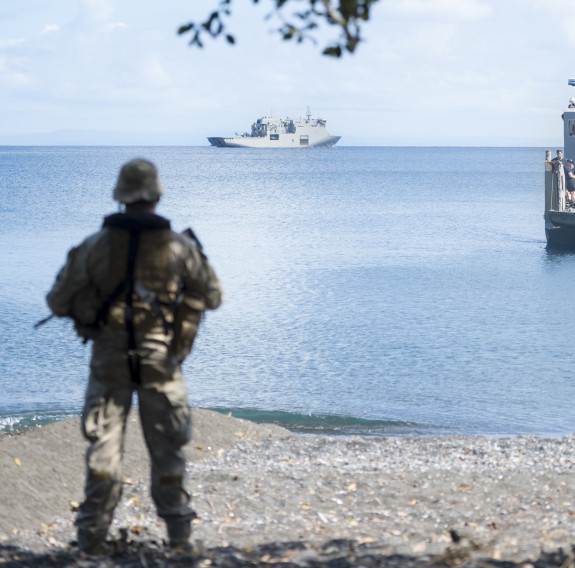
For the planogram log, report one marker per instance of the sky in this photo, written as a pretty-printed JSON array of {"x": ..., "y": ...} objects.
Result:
[{"x": 429, "y": 72}]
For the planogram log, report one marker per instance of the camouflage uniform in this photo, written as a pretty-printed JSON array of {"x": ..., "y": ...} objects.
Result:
[{"x": 172, "y": 285}]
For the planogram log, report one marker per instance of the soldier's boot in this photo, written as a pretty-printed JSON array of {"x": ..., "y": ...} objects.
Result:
[
  {"x": 179, "y": 533},
  {"x": 92, "y": 543}
]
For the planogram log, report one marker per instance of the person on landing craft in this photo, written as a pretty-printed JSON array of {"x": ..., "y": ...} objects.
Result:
[
  {"x": 138, "y": 290},
  {"x": 559, "y": 157},
  {"x": 569, "y": 182}
]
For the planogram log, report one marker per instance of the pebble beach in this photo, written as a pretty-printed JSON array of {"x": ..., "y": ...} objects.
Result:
[{"x": 267, "y": 497}]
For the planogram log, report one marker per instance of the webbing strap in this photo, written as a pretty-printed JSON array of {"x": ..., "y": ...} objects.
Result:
[
  {"x": 133, "y": 359},
  {"x": 99, "y": 475},
  {"x": 171, "y": 480}
]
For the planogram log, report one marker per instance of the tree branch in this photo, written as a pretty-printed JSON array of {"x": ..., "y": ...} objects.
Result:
[{"x": 348, "y": 16}]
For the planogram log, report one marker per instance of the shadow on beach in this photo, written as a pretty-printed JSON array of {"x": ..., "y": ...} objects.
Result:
[{"x": 339, "y": 553}]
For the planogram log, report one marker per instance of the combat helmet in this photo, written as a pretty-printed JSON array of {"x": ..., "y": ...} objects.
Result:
[{"x": 138, "y": 181}]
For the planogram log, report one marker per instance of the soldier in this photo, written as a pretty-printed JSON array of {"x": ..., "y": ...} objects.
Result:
[
  {"x": 138, "y": 290},
  {"x": 559, "y": 157}
]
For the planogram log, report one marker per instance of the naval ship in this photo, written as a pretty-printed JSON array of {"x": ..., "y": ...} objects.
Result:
[
  {"x": 559, "y": 200},
  {"x": 281, "y": 133}
]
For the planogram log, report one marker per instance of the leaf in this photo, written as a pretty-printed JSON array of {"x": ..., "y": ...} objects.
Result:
[
  {"x": 137, "y": 530},
  {"x": 186, "y": 28},
  {"x": 218, "y": 30},
  {"x": 196, "y": 40},
  {"x": 288, "y": 32},
  {"x": 17, "y": 462},
  {"x": 333, "y": 51}
]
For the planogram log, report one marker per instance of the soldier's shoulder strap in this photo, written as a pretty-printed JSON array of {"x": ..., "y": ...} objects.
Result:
[{"x": 189, "y": 234}]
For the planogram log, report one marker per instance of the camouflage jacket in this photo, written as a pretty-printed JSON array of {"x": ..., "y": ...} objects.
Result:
[{"x": 170, "y": 275}]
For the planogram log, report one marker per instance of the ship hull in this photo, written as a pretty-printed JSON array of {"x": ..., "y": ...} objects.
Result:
[
  {"x": 560, "y": 230},
  {"x": 561, "y": 238},
  {"x": 285, "y": 141}
]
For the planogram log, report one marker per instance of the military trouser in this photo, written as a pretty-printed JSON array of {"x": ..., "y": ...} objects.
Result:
[{"x": 166, "y": 424}]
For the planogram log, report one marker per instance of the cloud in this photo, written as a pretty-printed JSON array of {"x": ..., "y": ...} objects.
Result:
[
  {"x": 50, "y": 28},
  {"x": 90, "y": 67},
  {"x": 558, "y": 10},
  {"x": 562, "y": 9},
  {"x": 97, "y": 11},
  {"x": 11, "y": 75},
  {"x": 155, "y": 71},
  {"x": 112, "y": 26},
  {"x": 94, "y": 17},
  {"x": 454, "y": 10},
  {"x": 432, "y": 41},
  {"x": 561, "y": 6},
  {"x": 13, "y": 72},
  {"x": 7, "y": 43}
]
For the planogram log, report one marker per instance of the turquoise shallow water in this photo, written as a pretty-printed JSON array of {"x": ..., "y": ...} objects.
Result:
[{"x": 373, "y": 291}]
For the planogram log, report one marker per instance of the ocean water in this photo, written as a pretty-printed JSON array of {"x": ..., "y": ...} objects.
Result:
[{"x": 374, "y": 291}]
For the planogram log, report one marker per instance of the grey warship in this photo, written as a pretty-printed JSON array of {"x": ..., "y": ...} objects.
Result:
[{"x": 281, "y": 133}]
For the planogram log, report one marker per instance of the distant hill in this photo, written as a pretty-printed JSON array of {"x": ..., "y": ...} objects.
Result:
[{"x": 102, "y": 138}]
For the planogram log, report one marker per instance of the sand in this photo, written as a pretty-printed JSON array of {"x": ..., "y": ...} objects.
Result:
[{"x": 265, "y": 496}]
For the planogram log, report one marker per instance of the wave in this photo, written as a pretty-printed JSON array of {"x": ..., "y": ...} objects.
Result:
[
  {"x": 334, "y": 425},
  {"x": 31, "y": 420},
  {"x": 298, "y": 423}
]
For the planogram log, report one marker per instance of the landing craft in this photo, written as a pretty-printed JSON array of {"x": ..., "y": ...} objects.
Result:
[
  {"x": 281, "y": 133},
  {"x": 559, "y": 200}
]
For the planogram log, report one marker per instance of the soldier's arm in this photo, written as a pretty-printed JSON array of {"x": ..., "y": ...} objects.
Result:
[
  {"x": 200, "y": 280},
  {"x": 72, "y": 277}
]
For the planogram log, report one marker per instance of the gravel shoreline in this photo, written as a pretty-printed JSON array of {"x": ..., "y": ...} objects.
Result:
[{"x": 264, "y": 496}]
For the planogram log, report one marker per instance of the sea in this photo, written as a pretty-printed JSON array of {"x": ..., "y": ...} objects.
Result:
[{"x": 371, "y": 291}]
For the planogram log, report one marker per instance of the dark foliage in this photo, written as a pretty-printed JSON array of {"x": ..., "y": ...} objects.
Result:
[{"x": 347, "y": 16}]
